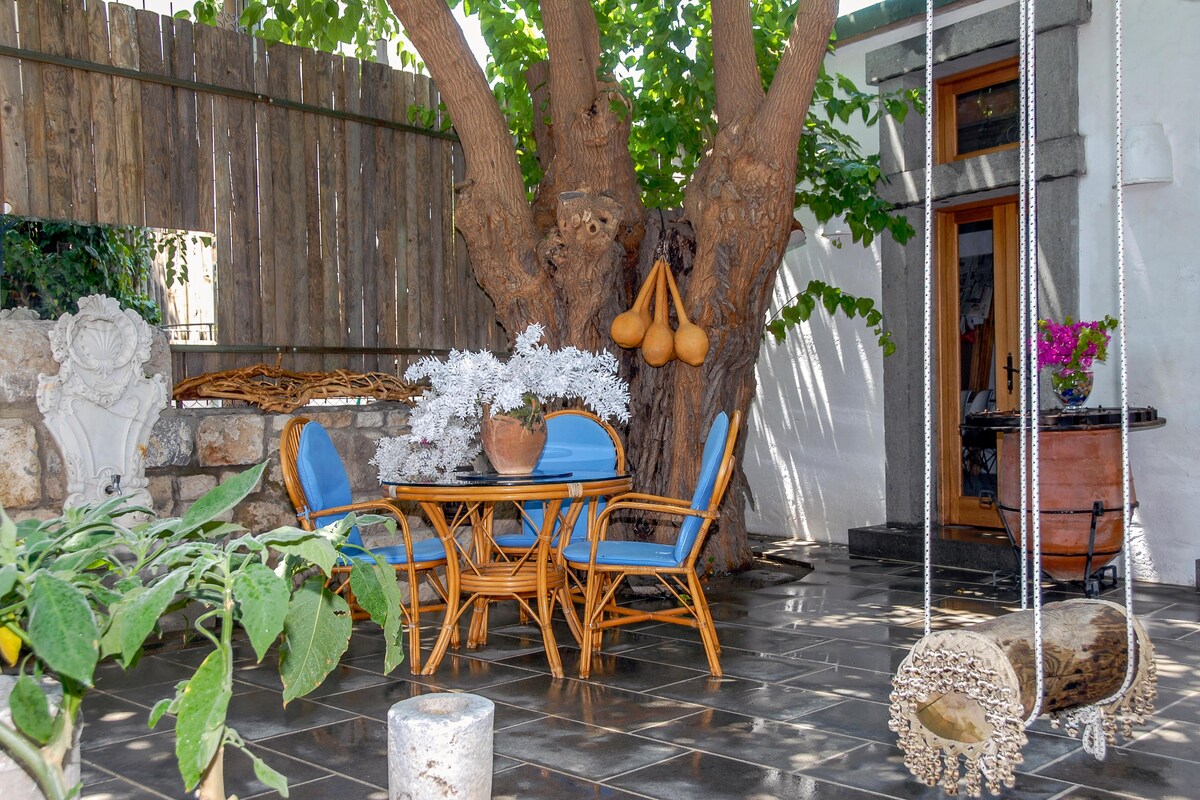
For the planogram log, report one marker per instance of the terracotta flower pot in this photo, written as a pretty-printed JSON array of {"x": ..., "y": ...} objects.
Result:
[{"x": 513, "y": 448}]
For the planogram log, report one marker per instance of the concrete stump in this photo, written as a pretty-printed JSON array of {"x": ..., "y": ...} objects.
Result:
[
  {"x": 15, "y": 782},
  {"x": 440, "y": 746}
]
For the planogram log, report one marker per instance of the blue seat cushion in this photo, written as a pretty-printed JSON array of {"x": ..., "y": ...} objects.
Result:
[
  {"x": 523, "y": 540},
  {"x": 424, "y": 550},
  {"x": 617, "y": 554}
]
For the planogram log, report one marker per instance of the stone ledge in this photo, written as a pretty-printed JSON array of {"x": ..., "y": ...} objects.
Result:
[
  {"x": 1057, "y": 158},
  {"x": 982, "y": 32}
]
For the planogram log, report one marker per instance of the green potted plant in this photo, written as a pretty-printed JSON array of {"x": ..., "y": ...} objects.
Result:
[{"x": 92, "y": 584}]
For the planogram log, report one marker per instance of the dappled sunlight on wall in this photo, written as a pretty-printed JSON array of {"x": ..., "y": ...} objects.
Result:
[{"x": 814, "y": 451}]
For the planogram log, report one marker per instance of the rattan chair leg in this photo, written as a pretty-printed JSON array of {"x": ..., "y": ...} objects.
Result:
[{"x": 708, "y": 634}]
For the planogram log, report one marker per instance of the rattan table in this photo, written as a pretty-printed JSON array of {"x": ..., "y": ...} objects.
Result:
[{"x": 480, "y": 573}]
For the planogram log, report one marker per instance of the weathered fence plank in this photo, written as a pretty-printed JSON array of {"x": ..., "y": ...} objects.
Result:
[
  {"x": 331, "y": 216},
  {"x": 14, "y": 182}
]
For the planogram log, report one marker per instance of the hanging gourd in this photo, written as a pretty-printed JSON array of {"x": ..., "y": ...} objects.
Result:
[
  {"x": 629, "y": 327},
  {"x": 691, "y": 342},
  {"x": 658, "y": 346}
]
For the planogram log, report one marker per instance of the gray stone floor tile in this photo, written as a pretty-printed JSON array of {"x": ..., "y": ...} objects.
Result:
[
  {"x": 530, "y": 782},
  {"x": 800, "y": 713},
  {"x": 332, "y": 788},
  {"x": 467, "y": 674},
  {"x": 1173, "y": 739},
  {"x": 590, "y": 703},
  {"x": 1125, "y": 771},
  {"x": 625, "y": 671},
  {"x": 108, "y": 719},
  {"x": 860, "y": 655},
  {"x": 151, "y": 763},
  {"x": 580, "y": 750},
  {"x": 117, "y": 789},
  {"x": 260, "y": 714},
  {"x": 355, "y": 747},
  {"x": 880, "y": 768},
  {"x": 771, "y": 701},
  {"x": 781, "y": 745},
  {"x": 712, "y": 777}
]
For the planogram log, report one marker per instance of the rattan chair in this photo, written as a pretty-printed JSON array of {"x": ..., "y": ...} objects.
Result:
[
  {"x": 575, "y": 441},
  {"x": 319, "y": 488},
  {"x": 601, "y": 565}
]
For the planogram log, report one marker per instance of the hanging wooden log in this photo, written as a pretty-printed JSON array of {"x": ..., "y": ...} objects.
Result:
[
  {"x": 691, "y": 342},
  {"x": 965, "y": 693},
  {"x": 281, "y": 391}
]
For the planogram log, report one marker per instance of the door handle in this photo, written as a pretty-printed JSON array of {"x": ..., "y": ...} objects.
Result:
[{"x": 1011, "y": 370}]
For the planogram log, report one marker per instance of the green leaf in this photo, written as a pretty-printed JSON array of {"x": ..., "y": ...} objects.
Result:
[
  {"x": 133, "y": 619},
  {"x": 315, "y": 635},
  {"x": 160, "y": 708},
  {"x": 308, "y": 545},
  {"x": 831, "y": 297},
  {"x": 807, "y": 304},
  {"x": 778, "y": 330},
  {"x": 31, "y": 710},
  {"x": 8, "y": 577},
  {"x": 272, "y": 778},
  {"x": 848, "y": 305},
  {"x": 864, "y": 306},
  {"x": 200, "y": 726},
  {"x": 221, "y": 498},
  {"x": 8, "y": 539},
  {"x": 62, "y": 628},
  {"x": 375, "y": 588},
  {"x": 262, "y": 598}
]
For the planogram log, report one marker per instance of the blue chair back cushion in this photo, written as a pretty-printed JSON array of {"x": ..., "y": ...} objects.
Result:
[
  {"x": 710, "y": 464},
  {"x": 324, "y": 478},
  {"x": 574, "y": 443}
]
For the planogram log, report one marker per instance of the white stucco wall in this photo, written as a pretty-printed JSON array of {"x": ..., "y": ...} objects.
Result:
[
  {"x": 1162, "y": 229},
  {"x": 815, "y": 456},
  {"x": 814, "y": 449}
]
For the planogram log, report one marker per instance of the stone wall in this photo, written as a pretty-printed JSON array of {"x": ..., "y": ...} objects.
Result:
[{"x": 190, "y": 450}]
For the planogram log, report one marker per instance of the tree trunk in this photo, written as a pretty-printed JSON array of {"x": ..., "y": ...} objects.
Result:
[{"x": 573, "y": 258}]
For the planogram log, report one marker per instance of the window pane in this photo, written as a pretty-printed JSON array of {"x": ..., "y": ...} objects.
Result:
[
  {"x": 976, "y": 327},
  {"x": 988, "y": 117}
]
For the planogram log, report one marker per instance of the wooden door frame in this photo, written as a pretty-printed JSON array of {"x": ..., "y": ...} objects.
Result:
[{"x": 953, "y": 507}]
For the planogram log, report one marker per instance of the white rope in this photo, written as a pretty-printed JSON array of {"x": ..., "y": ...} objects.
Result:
[
  {"x": 1030, "y": 36},
  {"x": 929, "y": 104},
  {"x": 1024, "y": 382},
  {"x": 1126, "y": 477}
]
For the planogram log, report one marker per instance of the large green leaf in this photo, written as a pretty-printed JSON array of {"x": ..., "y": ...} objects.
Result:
[
  {"x": 221, "y": 498},
  {"x": 375, "y": 589},
  {"x": 308, "y": 545},
  {"x": 134, "y": 618},
  {"x": 315, "y": 635},
  {"x": 8, "y": 577},
  {"x": 31, "y": 710},
  {"x": 262, "y": 598},
  {"x": 200, "y": 726},
  {"x": 62, "y": 628},
  {"x": 8, "y": 538}
]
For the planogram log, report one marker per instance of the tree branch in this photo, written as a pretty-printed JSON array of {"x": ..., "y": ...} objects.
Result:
[
  {"x": 735, "y": 64},
  {"x": 572, "y": 77},
  {"x": 788, "y": 99},
  {"x": 490, "y": 155}
]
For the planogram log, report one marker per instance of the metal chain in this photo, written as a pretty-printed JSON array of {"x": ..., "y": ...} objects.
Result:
[
  {"x": 1030, "y": 36},
  {"x": 929, "y": 104}
]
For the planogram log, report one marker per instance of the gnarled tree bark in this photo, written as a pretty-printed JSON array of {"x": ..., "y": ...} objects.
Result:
[{"x": 572, "y": 257}]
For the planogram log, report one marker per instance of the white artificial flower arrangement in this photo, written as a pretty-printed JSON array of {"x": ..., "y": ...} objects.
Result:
[{"x": 444, "y": 425}]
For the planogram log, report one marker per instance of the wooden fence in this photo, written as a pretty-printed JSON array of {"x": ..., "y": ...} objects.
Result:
[{"x": 332, "y": 216}]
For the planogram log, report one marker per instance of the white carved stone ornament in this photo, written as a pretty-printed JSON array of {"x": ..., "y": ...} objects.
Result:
[{"x": 101, "y": 406}]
